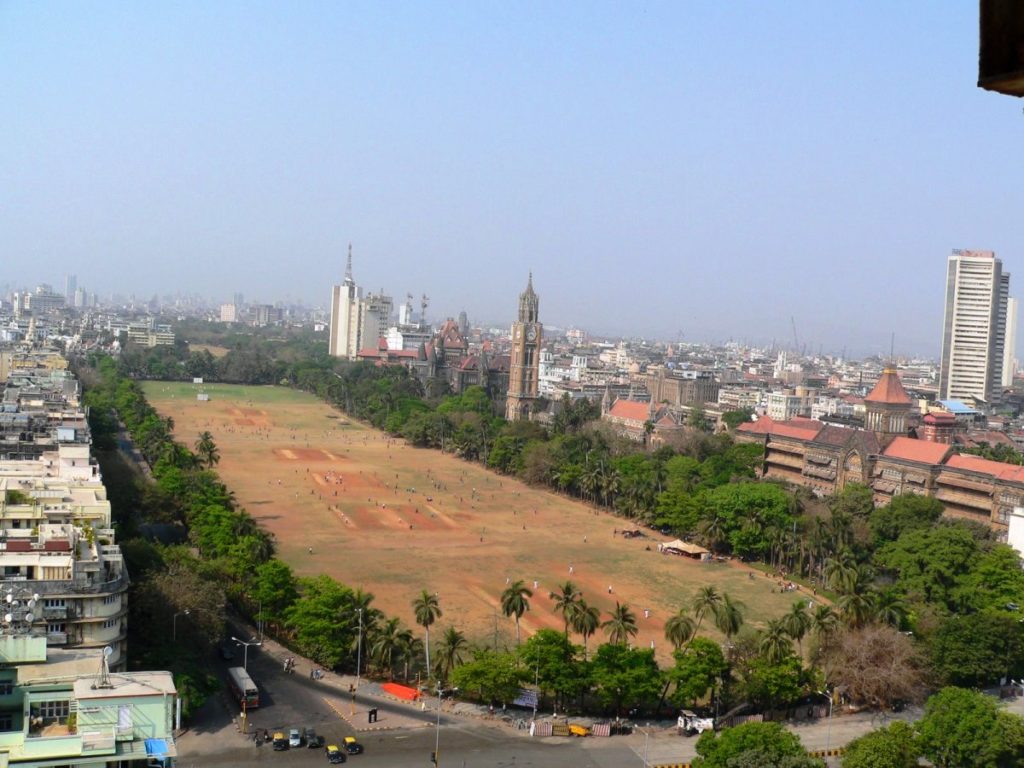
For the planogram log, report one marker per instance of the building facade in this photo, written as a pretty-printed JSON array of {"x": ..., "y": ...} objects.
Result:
[
  {"x": 524, "y": 372},
  {"x": 345, "y": 300},
  {"x": 974, "y": 331}
]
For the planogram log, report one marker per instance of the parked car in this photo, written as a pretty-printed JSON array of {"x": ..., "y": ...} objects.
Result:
[
  {"x": 294, "y": 738},
  {"x": 312, "y": 740},
  {"x": 335, "y": 755},
  {"x": 280, "y": 741},
  {"x": 227, "y": 652},
  {"x": 352, "y": 746}
]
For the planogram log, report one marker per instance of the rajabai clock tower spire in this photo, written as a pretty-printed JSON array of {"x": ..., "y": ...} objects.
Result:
[{"x": 527, "y": 333}]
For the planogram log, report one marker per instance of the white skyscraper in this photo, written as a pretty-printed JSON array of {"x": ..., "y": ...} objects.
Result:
[
  {"x": 974, "y": 332},
  {"x": 345, "y": 315}
]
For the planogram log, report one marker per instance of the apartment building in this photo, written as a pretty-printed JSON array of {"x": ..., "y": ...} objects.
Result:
[
  {"x": 57, "y": 543},
  {"x": 70, "y": 709}
]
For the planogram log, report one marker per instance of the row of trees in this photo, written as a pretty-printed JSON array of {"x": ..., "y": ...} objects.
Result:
[
  {"x": 960, "y": 729},
  {"x": 888, "y": 571}
]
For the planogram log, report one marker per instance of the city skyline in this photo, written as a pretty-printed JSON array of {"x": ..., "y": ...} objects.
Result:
[{"x": 715, "y": 171}]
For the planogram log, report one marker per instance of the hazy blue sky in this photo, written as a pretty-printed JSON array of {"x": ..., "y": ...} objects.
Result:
[{"x": 706, "y": 167}]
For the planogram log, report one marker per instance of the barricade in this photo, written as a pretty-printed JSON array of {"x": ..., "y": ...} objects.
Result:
[
  {"x": 403, "y": 692},
  {"x": 543, "y": 728},
  {"x": 602, "y": 729},
  {"x": 560, "y": 729}
]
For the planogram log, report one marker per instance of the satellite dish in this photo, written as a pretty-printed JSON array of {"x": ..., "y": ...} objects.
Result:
[
  {"x": 107, "y": 652},
  {"x": 8, "y": 617},
  {"x": 31, "y": 604},
  {"x": 9, "y": 598},
  {"x": 29, "y": 618}
]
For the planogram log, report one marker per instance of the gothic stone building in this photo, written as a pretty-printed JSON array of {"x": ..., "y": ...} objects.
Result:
[{"x": 883, "y": 457}]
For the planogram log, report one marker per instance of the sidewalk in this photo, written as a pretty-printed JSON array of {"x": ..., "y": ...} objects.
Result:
[{"x": 353, "y": 710}]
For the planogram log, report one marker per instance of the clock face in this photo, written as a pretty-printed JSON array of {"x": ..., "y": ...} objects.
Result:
[{"x": 531, "y": 333}]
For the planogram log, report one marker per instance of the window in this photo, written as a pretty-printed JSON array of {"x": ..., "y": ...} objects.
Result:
[
  {"x": 6, "y": 721},
  {"x": 54, "y": 602},
  {"x": 6, "y": 688},
  {"x": 55, "y": 626},
  {"x": 109, "y": 623},
  {"x": 110, "y": 599},
  {"x": 53, "y": 709}
]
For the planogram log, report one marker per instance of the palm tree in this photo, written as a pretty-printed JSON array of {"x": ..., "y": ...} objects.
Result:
[
  {"x": 729, "y": 616},
  {"x": 798, "y": 623},
  {"x": 427, "y": 610},
  {"x": 622, "y": 624},
  {"x": 567, "y": 599},
  {"x": 707, "y": 600},
  {"x": 449, "y": 655},
  {"x": 889, "y": 609},
  {"x": 680, "y": 628},
  {"x": 776, "y": 642},
  {"x": 409, "y": 648},
  {"x": 857, "y": 607},
  {"x": 824, "y": 622},
  {"x": 841, "y": 571},
  {"x": 207, "y": 450},
  {"x": 585, "y": 620},
  {"x": 384, "y": 643},
  {"x": 514, "y": 602},
  {"x": 712, "y": 531}
]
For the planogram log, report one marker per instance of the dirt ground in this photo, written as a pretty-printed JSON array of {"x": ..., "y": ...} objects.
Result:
[{"x": 346, "y": 500}]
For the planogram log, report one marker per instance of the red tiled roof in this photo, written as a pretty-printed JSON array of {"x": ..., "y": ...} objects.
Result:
[
  {"x": 800, "y": 428},
  {"x": 889, "y": 390},
  {"x": 630, "y": 409},
  {"x": 943, "y": 419},
  {"x": 987, "y": 467},
  {"x": 910, "y": 449},
  {"x": 369, "y": 352}
]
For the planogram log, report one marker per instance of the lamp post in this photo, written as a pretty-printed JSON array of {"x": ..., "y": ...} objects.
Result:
[
  {"x": 437, "y": 727},
  {"x": 647, "y": 735},
  {"x": 245, "y": 653},
  {"x": 828, "y": 728},
  {"x": 174, "y": 622},
  {"x": 359, "y": 647}
]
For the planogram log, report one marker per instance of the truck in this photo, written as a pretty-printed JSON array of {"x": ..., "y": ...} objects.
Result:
[{"x": 690, "y": 724}]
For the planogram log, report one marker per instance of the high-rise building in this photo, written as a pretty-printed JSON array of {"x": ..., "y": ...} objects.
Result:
[
  {"x": 1010, "y": 348},
  {"x": 374, "y": 319},
  {"x": 974, "y": 333},
  {"x": 356, "y": 322},
  {"x": 524, "y": 371},
  {"x": 70, "y": 284},
  {"x": 344, "y": 339}
]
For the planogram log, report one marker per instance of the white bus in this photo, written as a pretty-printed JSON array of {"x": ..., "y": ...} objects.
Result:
[{"x": 244, "y": 688}]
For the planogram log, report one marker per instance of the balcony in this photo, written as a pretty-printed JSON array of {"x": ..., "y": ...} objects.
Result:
[{"x": 102, "y": 740}]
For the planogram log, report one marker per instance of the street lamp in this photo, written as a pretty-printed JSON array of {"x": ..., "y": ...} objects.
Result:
[
  {"x": 437, "y": 727},
  {"x": 245, "y": 653},
  {"x": 647, "y": 735},
  {"x": 174, "y": 622},
  {"x": 828, "y": 728},
  {"x": 359, "y": 647}
]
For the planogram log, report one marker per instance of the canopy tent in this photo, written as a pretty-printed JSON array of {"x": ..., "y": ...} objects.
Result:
[{"x": 684, "y": 547}]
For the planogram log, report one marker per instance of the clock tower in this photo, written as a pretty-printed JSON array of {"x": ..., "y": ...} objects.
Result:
[{"x": 527, "y": 333}]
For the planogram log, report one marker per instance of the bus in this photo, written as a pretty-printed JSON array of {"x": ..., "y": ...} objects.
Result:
[{"x": 244, "y": 688}]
